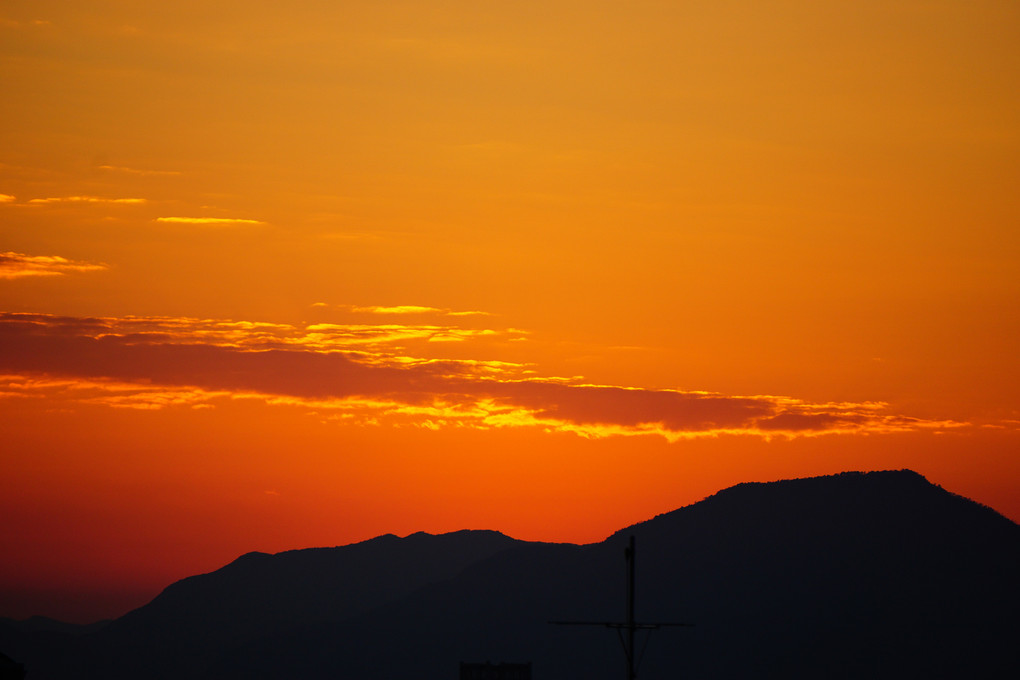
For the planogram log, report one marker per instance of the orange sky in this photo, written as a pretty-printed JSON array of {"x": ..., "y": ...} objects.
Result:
[{"x": 282, "y": 276}]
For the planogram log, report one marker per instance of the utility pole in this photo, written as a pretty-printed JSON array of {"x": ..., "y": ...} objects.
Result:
[
  {"x": 629, "y": 555},
  {"x": 629, "y": 625}
]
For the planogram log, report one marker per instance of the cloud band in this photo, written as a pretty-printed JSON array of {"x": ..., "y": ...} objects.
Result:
[
  {"x": 18, "y": 265},
  {"x": 246, "y": 363}
]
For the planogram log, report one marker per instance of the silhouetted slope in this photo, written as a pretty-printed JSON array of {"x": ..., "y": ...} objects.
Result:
[
  {"x": 10, "y": 669},
  {"x": 44, "y": 651},
  {"x": 878, "y": 575},
  {"x": 858, "y": 575},
  {"x": 36, "y": 624},
  {"x": 256, "y": 595},
  {"x": 259, "y": 594}
]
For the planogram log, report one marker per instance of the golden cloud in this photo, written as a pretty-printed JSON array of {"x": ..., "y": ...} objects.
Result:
[
  {"x": 314, "y": 367},
  {"x": 18, "y": 265},
  {"x": 136, "y": 171},
  {"x": 406, "y": 309},
  {"x": 107, "y": 392},
  {"x": 209, "y": 221},
  {"x": 87, "y": 199}
]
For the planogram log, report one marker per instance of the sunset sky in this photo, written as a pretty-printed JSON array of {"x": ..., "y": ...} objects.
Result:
[{"x": 281, "y": 275}]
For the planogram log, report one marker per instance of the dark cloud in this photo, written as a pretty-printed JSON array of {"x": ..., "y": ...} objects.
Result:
[{"x": 116, "y": 350}]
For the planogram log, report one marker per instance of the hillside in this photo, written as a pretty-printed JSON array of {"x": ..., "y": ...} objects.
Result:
[{"x": 856, "y": 575}]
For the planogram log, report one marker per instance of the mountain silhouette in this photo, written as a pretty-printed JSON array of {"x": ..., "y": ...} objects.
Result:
[{"x": 877, "y": 575}]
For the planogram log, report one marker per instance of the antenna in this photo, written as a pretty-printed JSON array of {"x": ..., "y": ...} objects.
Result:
[{"x": 630, "y": 625}]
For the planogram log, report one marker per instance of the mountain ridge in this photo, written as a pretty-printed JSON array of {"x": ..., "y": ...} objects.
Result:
[{"x": 883, "y": 571}]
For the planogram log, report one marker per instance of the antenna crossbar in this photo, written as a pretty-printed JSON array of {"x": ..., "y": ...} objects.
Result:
[{"x": 630, "y": 625}]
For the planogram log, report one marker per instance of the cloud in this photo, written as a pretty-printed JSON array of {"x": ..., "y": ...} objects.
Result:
[
  {"x": 408, "y": 309},
  {"x": 18, "y": 265},
  {"x": 136, "y": 171},
  {"x": 7, "y": 198},
  {"x": 14, "y": 23},
  {"x": 325, "y": 334},
  {"x": 106, "y": 392},
  {"x": 211, "y": 221},
  {"x": 290, "y": 366},
  {"x": 87, "y": 199},
  {"x": 376, "y": 345},
  {"x": 400, "y": 309}
]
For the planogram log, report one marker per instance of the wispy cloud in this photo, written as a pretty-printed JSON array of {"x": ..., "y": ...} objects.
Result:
[
  {"x": 399, "y": 309},
  {"x": 327, "y": 334},
  {"x": 18, "y": 265},
  {"x": 322, "y": 369},
  {"x": 106, "y": 392},
  {"x": 7, "y": 198},
  {"x": 408, "y": 309},
  {"x": 140, "y": 172},
  {"x": 209, "y": 221},
  {"x": 14, "y": 23},
  {"x": 86, "y": 199},
  {"x": 376, "y": 344}
]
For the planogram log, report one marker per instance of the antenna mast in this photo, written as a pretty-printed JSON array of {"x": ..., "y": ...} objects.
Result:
[{"x": 629, "y": 625}]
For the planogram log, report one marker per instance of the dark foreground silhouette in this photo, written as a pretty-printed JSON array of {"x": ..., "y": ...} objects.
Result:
[{"x": 858, "y": 575}]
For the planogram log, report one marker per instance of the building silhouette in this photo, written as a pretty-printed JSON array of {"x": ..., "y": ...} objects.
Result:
[{"x": 495, "y": 671}]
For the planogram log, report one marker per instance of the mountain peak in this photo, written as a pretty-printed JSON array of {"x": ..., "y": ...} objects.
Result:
[
  {"x": 842, "y": 479},
  {"x": 866, "y": 498},
  {"x": 862, "y": 574}
]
